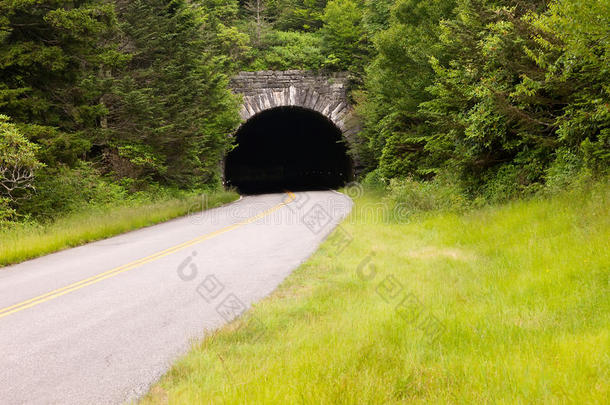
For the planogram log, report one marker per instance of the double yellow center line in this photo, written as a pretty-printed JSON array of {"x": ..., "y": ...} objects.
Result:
[{"x": 130, "y": 266}]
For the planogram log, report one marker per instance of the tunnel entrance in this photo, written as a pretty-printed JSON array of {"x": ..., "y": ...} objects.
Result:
[{"x": 288, "y": 148}]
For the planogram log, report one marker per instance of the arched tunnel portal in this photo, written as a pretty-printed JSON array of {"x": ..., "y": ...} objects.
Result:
[{"x": 288, "y": 147}]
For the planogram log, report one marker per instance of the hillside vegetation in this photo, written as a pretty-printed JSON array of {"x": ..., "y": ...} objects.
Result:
[{"x": 507, "y": 96}]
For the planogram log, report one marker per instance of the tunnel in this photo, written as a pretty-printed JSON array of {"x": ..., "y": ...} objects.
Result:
[{"x": 288, "y": 148}]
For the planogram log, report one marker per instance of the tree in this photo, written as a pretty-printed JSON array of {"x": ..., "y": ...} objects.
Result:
[
  {"x": 396, "y": 84},
  {"x": 574, "y": 50},
  {"x": 491, "y": 105},
  {"x": 18, "y": 162},
  {"x": 223, "y": 39},
  {"x": 52, "y": 53},
  {"x": 343, "y": 34},
  {"x": 170, "y": 110},
  {"x": 256, "y": 9},
  {"x": 377, "y": 15},
  {"x": 297, "y": 15}
]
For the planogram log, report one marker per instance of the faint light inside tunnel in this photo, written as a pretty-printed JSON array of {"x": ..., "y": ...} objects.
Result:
[{"x": 288, "y": 148}]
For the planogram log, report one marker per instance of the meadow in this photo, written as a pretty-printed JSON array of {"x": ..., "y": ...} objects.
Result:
[{"x": 501, "y": 304}]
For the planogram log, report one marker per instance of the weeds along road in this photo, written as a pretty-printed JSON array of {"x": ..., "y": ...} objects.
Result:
[{"x": 101, "y": 322}]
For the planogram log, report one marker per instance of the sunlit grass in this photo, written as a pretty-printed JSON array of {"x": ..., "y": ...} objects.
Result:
[
  {"x": 522, "y": 294},
  {"x": 27, "y": 241}
]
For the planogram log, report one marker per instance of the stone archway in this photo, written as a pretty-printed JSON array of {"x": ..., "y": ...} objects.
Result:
[
  {"x": 296, "y": 133},
  {"x": 323, "y": 92}
]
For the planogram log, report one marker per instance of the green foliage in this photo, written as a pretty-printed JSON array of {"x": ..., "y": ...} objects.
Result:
[
  {"x": 410, "y": 197},
  {"x": 505, "y": 94},
  {"x": 141, "y": 161},
  {"x": 171, "y": 112},
  {"x": 343, "y": 34},
  {"x": 574, "y": 50},
  {"x": 296, "y": 15},
  {"x": 396, "y": 83},
  {"x": 18, "y": 165},
  {"x": 376, "y": 16},
  {"x": 338, "y": 43},
  {"x": 512, "y": 181},
  {"x": 490, "y": 90},
  {"x": 69, "y": 190},
  {"x": 137, "y": 90},
  {"x": 223, "y": 39},
  {"x": 7, "y": 213},
  {"x": 567, "y": 167},
  {"x": 373, "y": 180},
  {"x": 289, "y": 50},
  {"x": 482, "y": 99},
  {"x": 63, "y": 190},
  {"x": 51, "y": 53}
]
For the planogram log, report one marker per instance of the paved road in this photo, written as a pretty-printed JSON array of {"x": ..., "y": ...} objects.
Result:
[{"x": 100, "y": 323}]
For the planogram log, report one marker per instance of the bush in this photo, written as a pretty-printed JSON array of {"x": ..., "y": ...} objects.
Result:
[
  {"x": 514, "y": 180},
  {"x": 6, "y": 212},
  {"x": 566, "y": 167},
  {"x": 410, "y": 197},
  {"x": 65, "y": 190},
  {"x": 289, "y": 50},
  {"x": 374, "y": 180}
]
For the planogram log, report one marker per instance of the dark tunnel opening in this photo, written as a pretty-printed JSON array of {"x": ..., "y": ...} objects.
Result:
[{"x": 288, "y": 148}]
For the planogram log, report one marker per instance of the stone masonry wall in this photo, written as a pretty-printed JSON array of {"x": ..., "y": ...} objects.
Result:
[{"x": 325, "y": 93}]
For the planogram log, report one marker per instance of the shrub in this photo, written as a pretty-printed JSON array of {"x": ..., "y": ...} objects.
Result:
[
  {"x": 6, "y": 212},
  {"x": 374, "y": 180},
  {"x": 410, "y": 197},
  {"x": 514, "y": 180},
  {"x": 18, "y": 163},
  {"x": 63, "y": 190},
  {"x": 566, "y": 167},
  {"x": 289, "y": 50}
]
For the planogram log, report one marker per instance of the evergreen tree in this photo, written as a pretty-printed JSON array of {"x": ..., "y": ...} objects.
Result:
[
  {"x": 498, "y": 130},
  {"x": 501, "y": 93},
  {"x": 52, "y": 53},
  {"x": 396, "y": 83},
  {"x": 343, "y": 34},
  {"x": 171, "y": 112},
  {"x": 257, "y": 10},
  {"x": 574, "y": 50},
  {"x": 297, "y": 15}
]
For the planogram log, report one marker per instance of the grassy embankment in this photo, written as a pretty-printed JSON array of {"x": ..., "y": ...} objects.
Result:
[
  {"x": 507, "y": 304},
  {"x": 21, "y": 242}
]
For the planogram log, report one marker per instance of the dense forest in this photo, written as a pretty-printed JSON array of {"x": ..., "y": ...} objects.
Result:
[{"x": 104, "y": 99}]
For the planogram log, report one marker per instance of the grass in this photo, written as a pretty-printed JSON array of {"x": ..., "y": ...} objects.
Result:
[
  {"x": 506, "y": 304},
  {"x": 21, "y": 242}
]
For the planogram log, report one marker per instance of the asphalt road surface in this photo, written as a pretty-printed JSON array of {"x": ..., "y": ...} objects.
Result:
[{"x": 100, "y": 323}]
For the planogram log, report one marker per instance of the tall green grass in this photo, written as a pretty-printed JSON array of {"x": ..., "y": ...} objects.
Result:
[
  {"x": 518, "y": 295},
  {"x": 20, "y": 242}
]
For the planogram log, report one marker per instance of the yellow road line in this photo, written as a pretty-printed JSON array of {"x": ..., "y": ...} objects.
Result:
[{"x": 137, "y": 263}]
